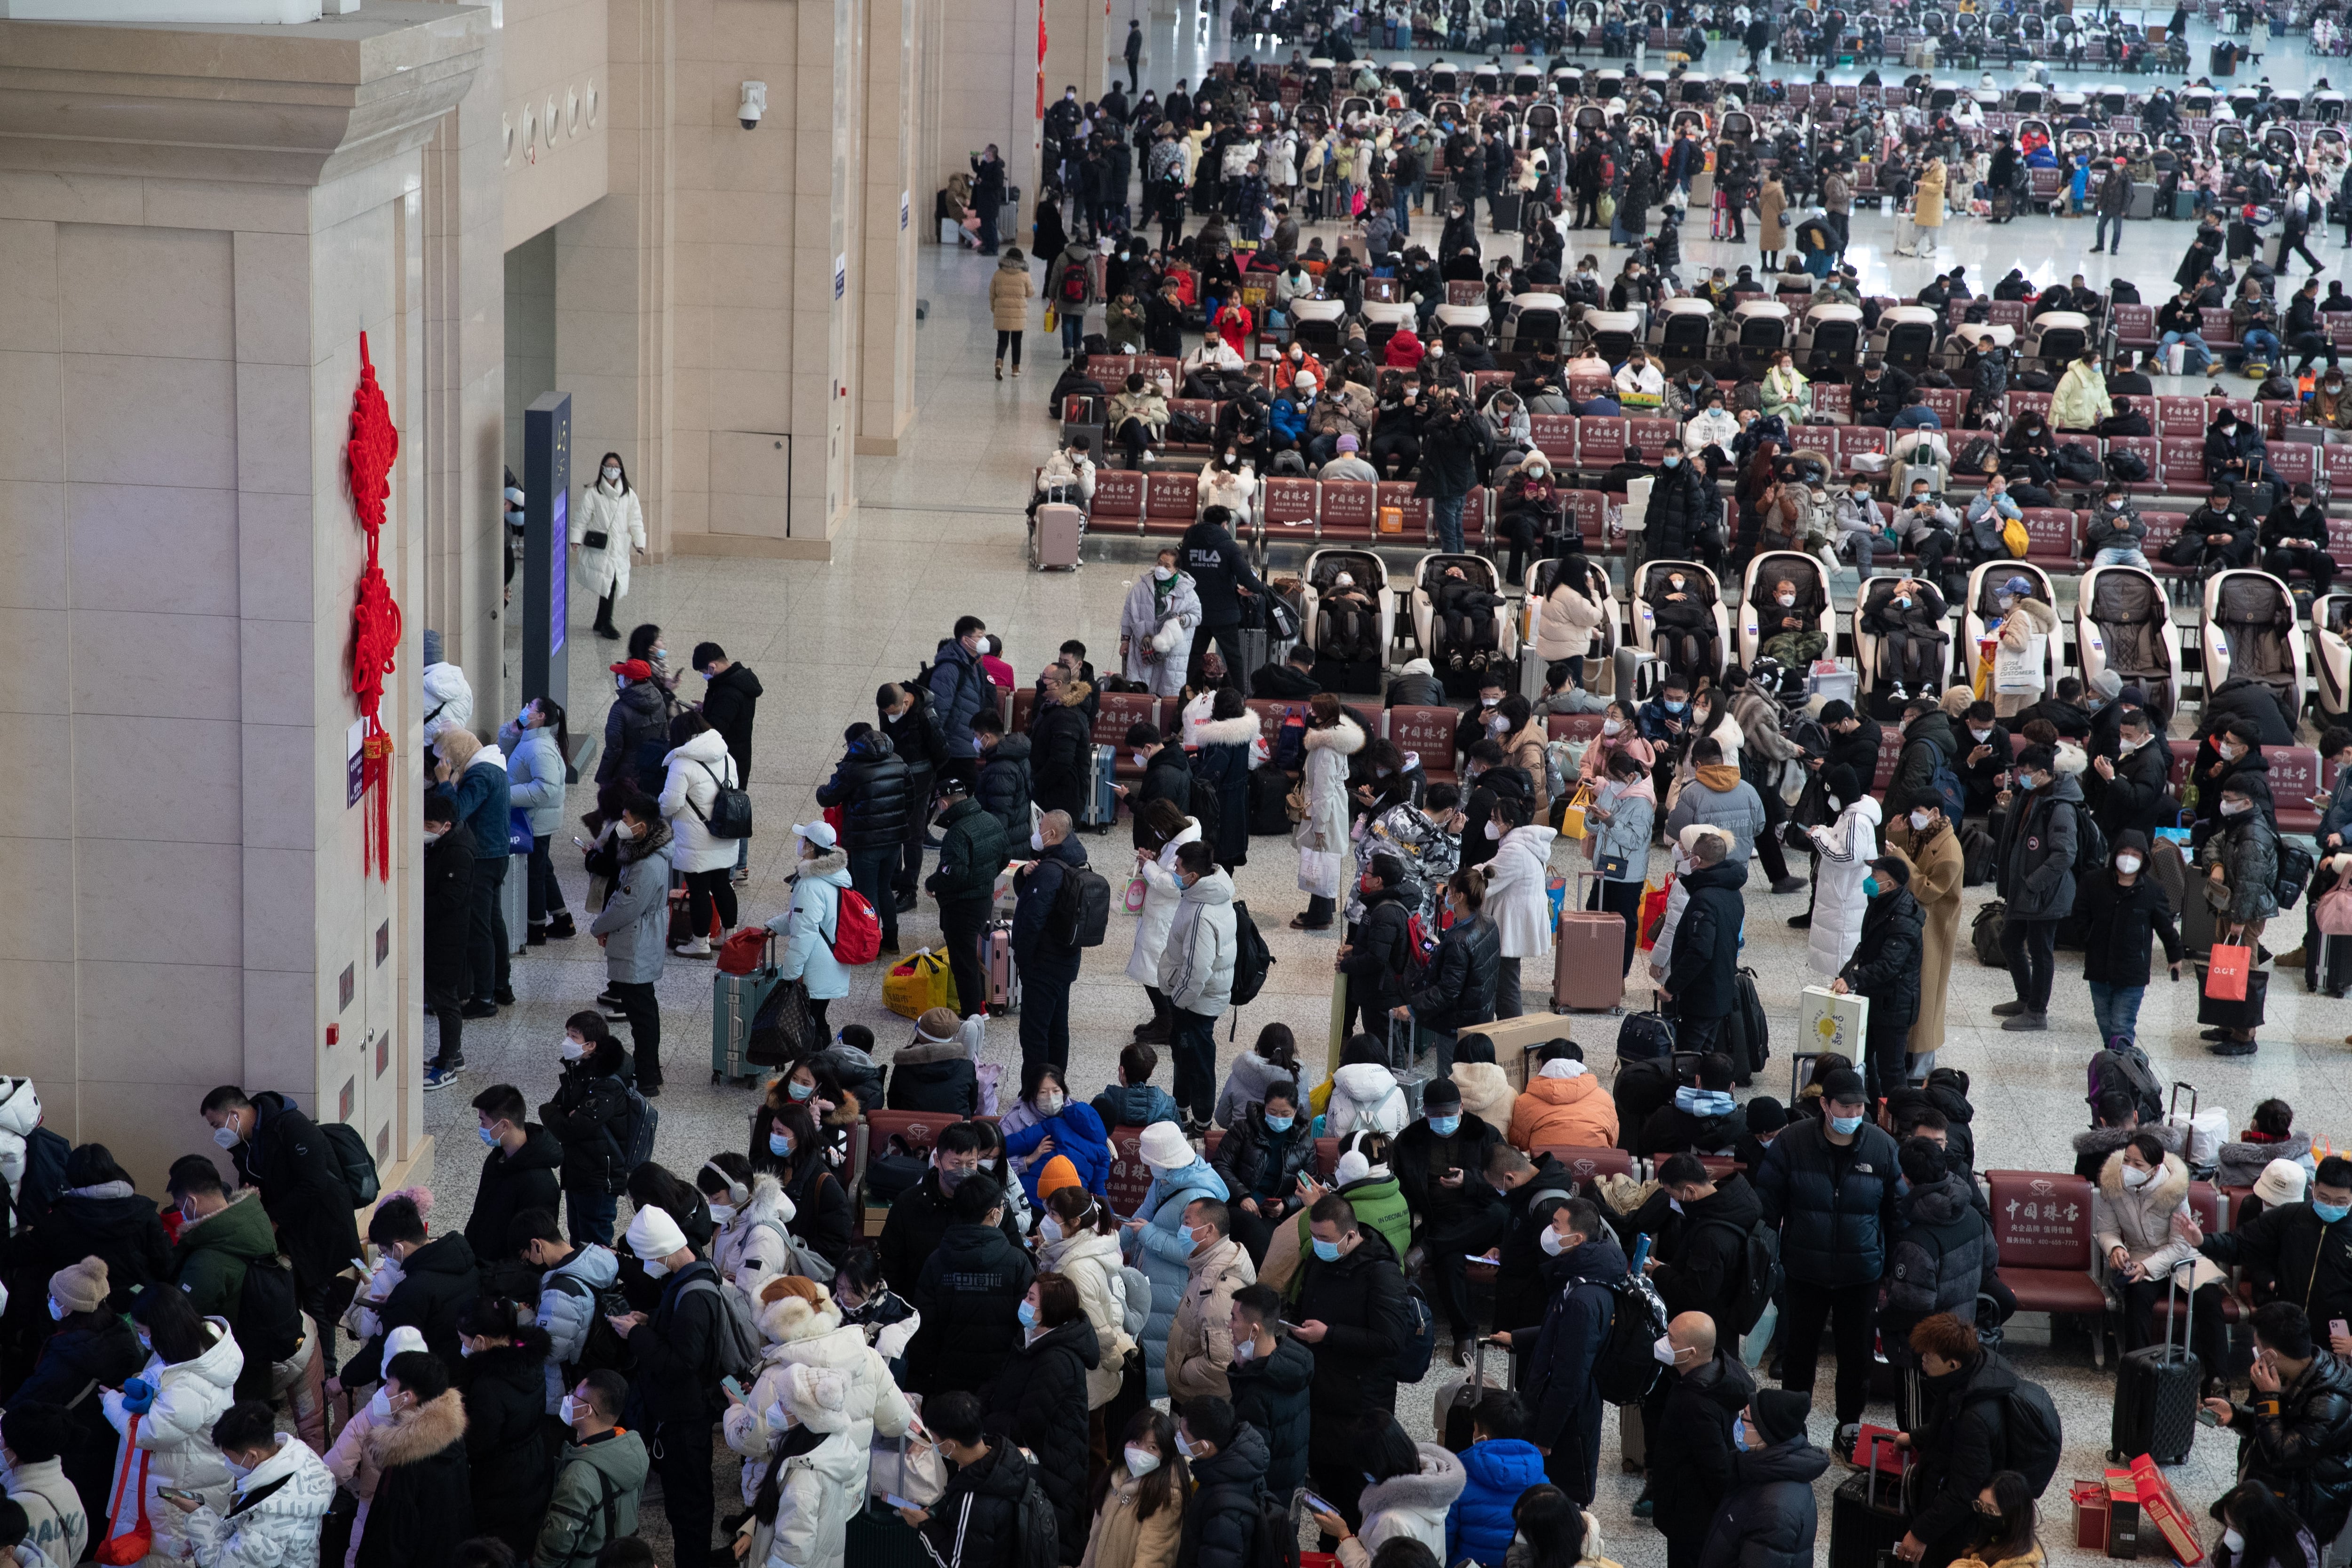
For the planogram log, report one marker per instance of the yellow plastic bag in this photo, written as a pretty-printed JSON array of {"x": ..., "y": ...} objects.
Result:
[
  {"x": 921, "y": 983},
  {"x": 2013, "y": 536},
  {"x": 1571, "y": 819}
]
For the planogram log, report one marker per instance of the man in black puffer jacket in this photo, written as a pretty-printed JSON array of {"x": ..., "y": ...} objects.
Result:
[
  {"x": 876, "y": 793},
  {"x": 1702, "y": 982},
  {"x": 1457, "y": 989},
  {"x": 1829, "y": 1185},
  {"x": 1704, "y": 1249},
  {"x": 905, "y": 717},
  {"x": 1378, "y": 958},
  {"x": 1533, "y": 1190},
  {"x": 1563, "y": 1405},
  {"x": 1269, "y": 1385},
  {"x": 1684, "y": 510},
  {"x": 1034, "y": 1399},
  {"x": 1220, "y": 574},
  {"x": 1351, "y": 1314},
  {"x": 1691, "y": 1447},
  {"x": 1438, "y": 1160},
  {"x": 1061, "y": 741},
  {"x": 976, "y": 1524},
  {"x": 1229, "y": 1465},
  {"x": 2295, "y": 1429},
  {"x": 969, "y": 1293},
  {"x": 1884, "y": 970},
  {"x": 2139, "y": 794},
  {"x": 1943, "y": 1254},
  {"x": 1005, "y": 786},
  {"x": 1965, "y": 1441}
]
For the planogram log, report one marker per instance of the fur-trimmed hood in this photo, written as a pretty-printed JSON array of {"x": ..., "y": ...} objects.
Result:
[
  {"x": 914, "y": 1053},
  {"x": 768, "y": 1201},
  {"x": 416, "y": 1434},
  {"x": 2161, "y": 1195},
  {"x": 788, "y": 1318},
  {"x": 1077, "y": 693},
  {"x": 826, "y": 864},
  {"x": 1430, "y": 1490},
  {"x": 1347, "y": 738},
  {"x": 1238, "y": 731}
]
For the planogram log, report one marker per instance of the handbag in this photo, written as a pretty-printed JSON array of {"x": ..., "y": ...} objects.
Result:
[
  {"x": 783, "y": 1031},
  {"x": 1136, "y": 890},
  {"x": 921, "y": 983},
  {"x": 520, "y": 840},
  {"x": 593, "y": 539},
  {"x": 2225, "y": 974},
  {"x": 1294, "y": 804},
  {"x": 1052, "y": 320},
  {"x": 1571, "y": 819},
  {"x": 913, "y": 1472},
  {"x": 133, "y": 1544}
]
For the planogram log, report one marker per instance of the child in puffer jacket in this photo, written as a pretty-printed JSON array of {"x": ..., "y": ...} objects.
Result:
[
  {"x": 1500, "y": 1464},
  {"x": 349, "y": 1460}
]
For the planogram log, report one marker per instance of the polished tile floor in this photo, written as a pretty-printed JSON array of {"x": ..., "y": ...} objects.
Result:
[{"x": 938, "y": 534}]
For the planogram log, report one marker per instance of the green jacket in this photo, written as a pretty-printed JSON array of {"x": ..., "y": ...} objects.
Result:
[
  {"x": 972, "y": 851},
  {"x": 1379, "y": 1203},
  {"x": 573, "y": 1531},
  {"x": 209, "y": 1260}
]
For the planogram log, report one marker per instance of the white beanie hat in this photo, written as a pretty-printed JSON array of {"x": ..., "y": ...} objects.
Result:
[
  {"x": 403, "y": 1339},
  {"x": 1164, "y": 1146},
  {"x": 653, "y": 1234}
]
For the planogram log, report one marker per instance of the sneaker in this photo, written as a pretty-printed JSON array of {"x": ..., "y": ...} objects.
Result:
[
  {"x": 2027, "y": 1022},
  {"x": 1898, "y": 694},
  {"x": 2213, "y": 1034},
  {"x": 1644, "y": 1506},
  {"x": 2231, "y": 1048},
  {"x": 1800, "y": 923},
  {"x": 1847, "y": 1436},
  {"x": 739, "y": 875},
  {"x": 1788, "y": 885},
  {"x": 1148, "y": 456},
  {"x": 561, "y": 929},
  {"x": 2008, "y": 1009},
  {"x": 478, "y": 1008},
  {"x": 906, "y": 902},
  {"x": 503, "y": 996},
  {"x": 609, "y": 633},
  {"x": 439, "y": 1078},
  {"x": 698, "y": 948},
  {"x": 1000, "y": 370}
]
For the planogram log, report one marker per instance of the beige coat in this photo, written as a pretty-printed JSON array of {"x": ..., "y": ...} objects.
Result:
[
  {"x": 1769, "y": 200},
  {"x": 2139, "y": 1220},
  {"x": 1929, "y": 212},
  {"x": 1486, "y": 1092},
  {"x": 1119, "y": 1539},
  {"x": 1526, "y": 750},
  {"x": 1008, "y": 296},
  {"x": 1200, "y": 1340},
  {"x": 1936, "y": 871}
]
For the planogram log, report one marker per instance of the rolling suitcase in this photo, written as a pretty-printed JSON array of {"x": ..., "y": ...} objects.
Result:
[
  {"x": 1055, "y": 537},
  {"x": 1255, "y": 654},
  {"x": 1003, "y": 978},
  {"x": 1532, "y": 668},
  {"x": 1503, "y": 211},
  {"x": 1864, "y": 1526},
  {"x": 1099, "y": 806},
  {"x": 1457, "y": 1400},
  {"x": 1588, "y": 970},
  {"x": 2156, "y": 1393},
  {"x": 878, "y": 1538},
  {"x": 735, "y": 1001}
]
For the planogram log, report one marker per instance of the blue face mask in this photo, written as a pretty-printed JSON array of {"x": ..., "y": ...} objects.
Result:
[
  {"x": 1675, "y": 707},
  {"x": 488, "y": 1137},
  {"x": 1027, "y": 1315},
  {"x": 1445, "y": 1126},
  {"x": 2330, "y": 1213},
  {"x": 1329, "y": 1251},
  {"x": 779, "y": 1143},
  {"x": 1279, "y": 1123},
  {"x": 1845, "y": 1126},
  {"x": 2025, "y": 783},
  {"x": 1869, "y": 887}
]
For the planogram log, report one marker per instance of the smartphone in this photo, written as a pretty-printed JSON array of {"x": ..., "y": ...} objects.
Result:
[
  {"x": 1318, "y": 1505},
  {"x": 1481, "y": 1257},
  {"x": 895, "y": 1500},
  {"x": 2336, "y": 1326},
  {"x": 2207, "y": 1418},
  {"x": 732, "y": 1386},
  {"x": 175, "y": 1491}
]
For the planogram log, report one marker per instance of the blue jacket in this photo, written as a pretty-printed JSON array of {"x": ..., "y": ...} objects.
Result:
[
  {"x": 1563, "y": 1406},
  {"x": 960, "y": 689},
  {"x": 535, "y": 774},
  {"x": 1165, "y": 1256},
  {"x": 1079, "y": 1136},
  {"x": 1288, "y": 418},
  {"x": 1479, "y": 1524},
  {"x": 1141, "y": 1104},
  {"x": 484, "y": 804},
  {"x": 1651, "y": 718},
  {"x": 1037, "y": 951},
  {"x": 809, "y": 926},
  {"x": 2337, "y": 817},
  {"x": 1918, "y": 417}
]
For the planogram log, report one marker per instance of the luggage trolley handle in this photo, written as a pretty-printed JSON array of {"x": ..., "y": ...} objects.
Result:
[
  {"x": 2188, "y": 1309},
  {"x": 2172, "y": 1107},
  {"x": 1797, "y": 1060},
  {"x": 1870, "y": 1467}
]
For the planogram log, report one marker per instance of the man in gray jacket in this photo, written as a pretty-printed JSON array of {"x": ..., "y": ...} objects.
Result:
[
  {"x": 2036, "y": 872},
  {"x": 631, "y": 927}
]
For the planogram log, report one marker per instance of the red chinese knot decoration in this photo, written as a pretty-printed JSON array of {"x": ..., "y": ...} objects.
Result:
[{"x": 376, "y": 621}]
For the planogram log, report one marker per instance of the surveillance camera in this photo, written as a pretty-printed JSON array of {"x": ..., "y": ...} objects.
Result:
[{"x": 754, "y": 104}]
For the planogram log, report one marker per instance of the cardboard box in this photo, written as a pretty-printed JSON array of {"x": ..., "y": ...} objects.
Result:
[
  {"x": 2162, "y": 1507},
  {"x": 2090, "y": 1505},
  {"x": 2123, "y": 1515},
  {"x": 1514, "y": 1037}
]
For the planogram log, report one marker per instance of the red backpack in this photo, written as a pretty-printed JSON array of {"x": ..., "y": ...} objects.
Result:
[
  {"x": 1074, "y": 284},
  {"x": 856, "y": 929}
]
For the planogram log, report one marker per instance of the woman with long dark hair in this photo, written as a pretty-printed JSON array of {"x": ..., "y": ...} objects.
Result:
[
  {"x": 1139, "y": 1502},
  {"x": 608, "y": 526},
  {"x": 790, "y": 1147},
  {"x": 2258, "y": 1530}
]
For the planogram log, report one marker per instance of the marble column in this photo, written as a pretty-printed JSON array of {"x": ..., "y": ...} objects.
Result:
[{"x": 197, "y": 223}]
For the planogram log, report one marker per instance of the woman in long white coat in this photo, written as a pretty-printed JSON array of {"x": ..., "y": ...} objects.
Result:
[
  {"x": 166, "y": 1415},
  {"x": 1155, "y": 629},
  {"x": 1162, "y": 893},
  {"x": 1321, "y": 836},
  {"x": 609, "y": 525},
  {"x": 698, "y": 767},
  {"x": 1846, "y": 848},
  {"x": 803, "y": 1328},
  {"x": 1521, "y": 908}
]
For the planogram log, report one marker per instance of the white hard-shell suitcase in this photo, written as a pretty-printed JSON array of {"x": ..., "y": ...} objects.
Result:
[{"x": 1054, "y": 543}]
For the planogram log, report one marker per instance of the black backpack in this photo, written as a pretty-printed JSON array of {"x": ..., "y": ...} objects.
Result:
[
  {"x": 269, "y": 1316},
  {"x": 353, "y": 1159},
  {"x": 1760, "y": 1274},
  {"x": 1275, "y": 1541},
  {"x": 2124, "y": 1067},
  {"x": 1081, "y": 915},
  {"x": 2034, "y": 1436},
  {"x": 730, "y": 808},
  {"x": 602, "y": 1349},
  {"x": 2127, "y": 466},
  {"x": 1421, "y": 1337},
  {"x": 2075, "y": 465},
  {"x": 1977, "y": 455},
  {"x": 1037, "y": 1539},
  {"x": 2123, "y": 293},
  {"x": 1627, "y": 1367},
  {"x": 1985, "y": 935},
  {"x": 2090, "y": 843},
  {"x": 2294, "y": 868},
  {"x": 1252, "y": 958}
]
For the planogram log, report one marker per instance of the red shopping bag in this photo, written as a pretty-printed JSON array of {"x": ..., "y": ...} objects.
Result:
[
  {"x": 2225, "y": 978},
  {"x": 133, "y": 1544}
]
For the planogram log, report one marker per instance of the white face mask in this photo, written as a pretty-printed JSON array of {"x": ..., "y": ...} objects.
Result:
[
  {"x": 1141, "y": 759},
  {"x": 1663, "y": 1350},
  {"x": 379, "y": 1408},
  {"x": 1050, "y": 1229},
  {"x": 432, "y": 838},
  {"x": 226, "y": 1137},
  {"x": 2234, "y": 1541},
  {"x": 1551, "y": 1241},
  {"x": 1140, "y": 1462},
  {"x": 2136, "y": 1178},
  {"x": 1611, "y": 727},
  {"x": 57, "y": 1313},
  {"x": 1049, "y": 1103},
  {"x": 2236, "y": 807},
  {"x": 1788, "y": 599},
  {"x": 1494, "y": 832},
  {"x": 1981, "y": 735},
  {"x": 1919, "y": 822},
  {"x": 569, "y": 1410},
  {"x": 656, "y": 1268},
  {"x": 722, "y": 1212},
  {"x": 1038, "y": 840},
  {"x": 2127, "y": 864},
  {"x": 612, "y": 475},
  {"x": 2128, "y": 745}
]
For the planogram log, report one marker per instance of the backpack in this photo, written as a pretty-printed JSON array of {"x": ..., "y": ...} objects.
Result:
[
  {"x": 644, "y": 1120},
  {"x": 1754, "y": 1024},
  {"x": 2127, "y": 466},
  {"x": 2124, "y": 1067},
  {"x": 1977, "y": 851},
  {"x": 2090, "y": 843},
  {"x": 1081, "y": 916},
  {"x": 2294, "y": 868},
  {"x": 1273, "y": 1542},
  {"x": 1977, "y": 457},
  {"x": 44, "y": 1180},
  {"x": 268, "y": 1318},
  {"x": 856, "y": 929},
  {"x": 1037, "y": 1540},
  {"x": 2075, "y": 464},
  {"x": 2035, "y": 1436},
  {"x": 1412, "y": 1364},
  {"x": 893, "y": 1170},
  {"x": 1290, "y": 745},
  {"x": 730, "y": 808},
  {"x": 1252, "y": 958},
  {"x": 737, "y": 1344},
  {"x": 358, "y": 1167},
  {"x": 1627, "y": 1367},
  {"x": 1074, "y": 284},
  {"x": 602, "y": 1349},
  {"x": 1985, "y": 935},
  {"x": 1760, "y": 1274},
  {"x": 1945, "y": 784}
]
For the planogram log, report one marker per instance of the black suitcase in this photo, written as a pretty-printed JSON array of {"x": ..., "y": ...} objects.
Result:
[
  {"x": 878, "y": 1538},
  {"x": 1864, "y": 1524},
  {"x": 1457, "y": 1401},
  {"x": 2156, "y": 1393},
  {"x": 1504, "y": 212}
]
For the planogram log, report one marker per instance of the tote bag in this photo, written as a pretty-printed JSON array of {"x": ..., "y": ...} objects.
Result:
[{"x": 133, "y": 1544}]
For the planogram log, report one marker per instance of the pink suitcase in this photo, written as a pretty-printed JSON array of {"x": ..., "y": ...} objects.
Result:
[
  {"x": 1589, "y": 960},
  {"x": 1054, "y": 539},
  {"x": 1003, "y": 979}
]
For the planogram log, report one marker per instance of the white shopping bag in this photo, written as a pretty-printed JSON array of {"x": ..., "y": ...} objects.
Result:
[
  {"x": 2021, "y": 671},
  {"x": 1833, "y": 1023}
]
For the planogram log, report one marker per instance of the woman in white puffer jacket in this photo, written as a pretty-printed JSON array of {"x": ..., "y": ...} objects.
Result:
[
  {"x": 1847, "y": 846},
  {"x": 1078, "y": 1238},
  {"x": 166, "y": 1414},
  {"x": 754, "y": 1241},
  {"x": 609, "y": 511},
  {"x": 805, "y": 1328},
  {"x": 1364, "y": 1093},
  {"x": 699, "y": 764},
  {"x": 1573, "y": 614},
  {"x": 1162, "y": 893}
]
